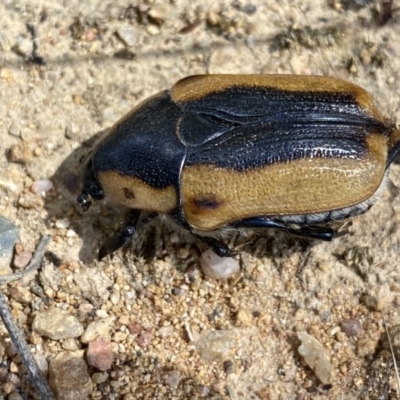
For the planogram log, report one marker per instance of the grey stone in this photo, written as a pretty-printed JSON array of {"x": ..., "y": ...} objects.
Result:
[
  {"x": 8, "y": 237},
  {"x": 57, "y": 324}
]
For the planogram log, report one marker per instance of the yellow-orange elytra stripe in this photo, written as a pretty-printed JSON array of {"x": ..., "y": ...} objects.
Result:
[
  {"x": 134, "y": 193},
  {"x": 303, "y": 186}
]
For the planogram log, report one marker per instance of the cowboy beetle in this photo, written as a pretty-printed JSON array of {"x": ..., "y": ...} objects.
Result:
[{"x": 220, "y": 152}]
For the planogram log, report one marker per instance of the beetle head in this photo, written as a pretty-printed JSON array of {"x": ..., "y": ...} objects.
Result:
[{"x": 91, "y": 188}]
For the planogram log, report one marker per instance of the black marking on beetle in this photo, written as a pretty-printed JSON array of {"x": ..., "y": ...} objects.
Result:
[
  {"x": 144, "y": 145},
  {"x": 207, "y": 203},
  {"x": 128, "y": 193},
  {"x": 253, "y": 147},
  {"x": 245, "y": 128},
  {"x": 244, "y": 106}
]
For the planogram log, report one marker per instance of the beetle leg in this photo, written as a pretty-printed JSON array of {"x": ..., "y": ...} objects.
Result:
[
  {"x": 218, "y": 247},
  {"x": 123, "y": 237},
  {"x": 314, "y": 232},
  {"x": 307, "y": 231}
]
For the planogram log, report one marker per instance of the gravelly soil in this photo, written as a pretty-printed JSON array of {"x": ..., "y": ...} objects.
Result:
[{"x": 101, "y": 60}]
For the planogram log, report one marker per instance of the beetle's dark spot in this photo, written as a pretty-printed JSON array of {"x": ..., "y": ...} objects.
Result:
[
  {"x": 128, "y": 193},
  {"x": 207, "y": 203}
]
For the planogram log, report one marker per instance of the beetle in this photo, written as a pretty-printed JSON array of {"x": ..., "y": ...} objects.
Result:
[{"x": 217, "y": 153}]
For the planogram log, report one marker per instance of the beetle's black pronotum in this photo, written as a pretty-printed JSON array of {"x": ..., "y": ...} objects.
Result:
[{"x": 245, "y": 151}]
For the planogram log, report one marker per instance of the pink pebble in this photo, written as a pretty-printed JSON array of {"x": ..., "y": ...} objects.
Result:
[
  {"x": 42, "y": 186},
  {"x": 100, "y": 354},
  {"x": 145, "y": 338},
  {"x": 22, "y": 259}
]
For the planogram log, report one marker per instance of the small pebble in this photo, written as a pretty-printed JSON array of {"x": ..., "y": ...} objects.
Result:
[
  {"x": 145, "y": 338},
  {"x": 29, "y": 201},
  {"x": 53, "y": 76},
  {"x": 86, "y": 308},
  {"x": 42, "y": 363},
  {"x": 21, "y": 293},
  {"x": 28, "y": 134},
  {"x": 71, "y": 132},
  {"x": 96, "y": 329},
  {"x": 100, "y": 354},
  {"x": 3, "y": 374},
  {"x": 128, "y": 35},
  {"x": 316, "y": 357},
  {"x": 178, "y": 291},
  {"x": 216, "y": 345},
  {"x": 101, "y": 314},
  {"x": 166, "y": 331},
  {"x": 135, "y": 328},
  {"x": 218, "y": 267},
  {"x": 77, "y": 99},
  {"x": 14, "y": 379},
  {"x": 21, "y": 153},
  {"x": 42, "y": 186},
  {"x": 120, "y": 336},
  {"x": 14, "y": 396},
  {"x": 156, "y": 16},
  {"x": 183, "y": 253},
  {"x": 70, "y": 233},
  {"x": 70, "y": 344},
  {"x": 14, "y": 367},
  {"x": 115, "y": 297},
  {"x": 11, "y": 350},
  {"x": 8, "y": 185},
  {"x": 249, "y": 9},
  {"x": 351, "y": 327},
  {"x": 153, "y": 30},
  {"x": 8, "y": 387},
  {"x": 172, "y": 378},
  {"x": 99, "y": 377},
  {"x": 57, "y": 324},
  {"x": 244, "y": 317},
  {"x": 174, "y": 238},
  {"x": 6, "y": 74},
  {"x": 68, "y": 376},
  {"x": 22, "y": 260},
  {"x": 38, "y": 152},
  {"x": 14, "y": 129},
  {"x": 62, "y": 223},
  {"x": 229, "y": 368},
  {"x": 366, "y": 347}
]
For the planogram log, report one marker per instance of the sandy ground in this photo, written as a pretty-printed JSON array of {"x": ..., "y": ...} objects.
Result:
[{"x": 101, "y": 60}]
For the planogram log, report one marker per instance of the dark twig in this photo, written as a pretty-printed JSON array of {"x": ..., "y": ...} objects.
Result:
[
  {"x": 16, "y": 335},
  {"x": 34, "y": 57},
  {"x": 393, "y": 357}
]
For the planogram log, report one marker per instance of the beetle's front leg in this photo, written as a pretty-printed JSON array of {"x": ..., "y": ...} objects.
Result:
[
  {"x": 123, "y": 237},
  {"x": 217, "y": 246}
]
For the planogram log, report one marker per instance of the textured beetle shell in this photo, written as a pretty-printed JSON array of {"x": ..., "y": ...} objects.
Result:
[{"x": 224, "y": 148}]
